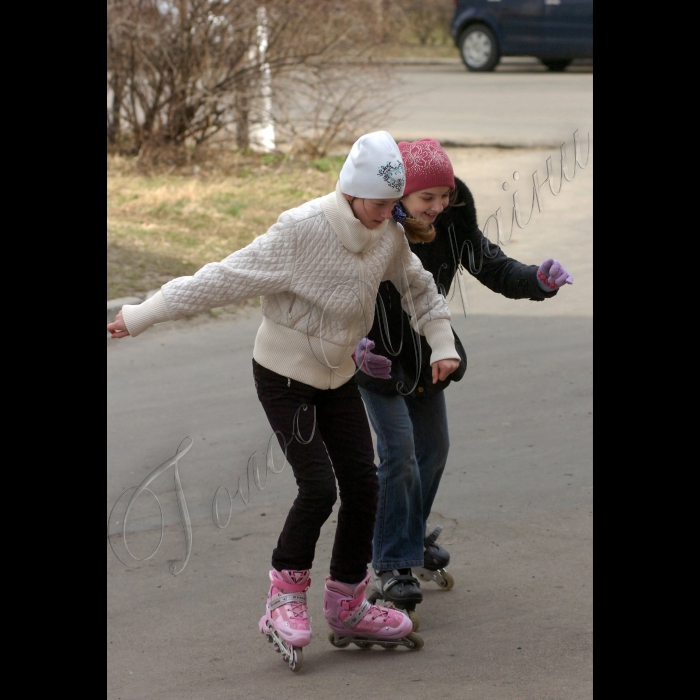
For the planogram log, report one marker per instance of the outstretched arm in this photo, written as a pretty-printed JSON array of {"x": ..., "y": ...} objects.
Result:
[
  {"x": 460, "y": 240},
  {"x": 265, "y": 266}
]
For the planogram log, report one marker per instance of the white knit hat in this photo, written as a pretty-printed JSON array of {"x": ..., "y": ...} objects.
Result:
[{"x": 374, "y": 168}]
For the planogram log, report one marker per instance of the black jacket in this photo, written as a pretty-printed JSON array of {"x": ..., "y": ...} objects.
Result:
[{"x": 458, "y": 244}]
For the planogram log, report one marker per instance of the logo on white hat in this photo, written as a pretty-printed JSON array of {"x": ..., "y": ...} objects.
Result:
[{"x": 393, "y": 175}]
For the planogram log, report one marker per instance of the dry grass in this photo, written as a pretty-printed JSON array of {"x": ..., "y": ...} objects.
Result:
[
  {"x": 409, "y": 47},
  {"x": 439, "y": 51},
  {"x": 164, "y": 225}
]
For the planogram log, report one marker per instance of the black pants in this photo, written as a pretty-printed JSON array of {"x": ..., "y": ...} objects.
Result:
[{"x": 341, "y": 448}]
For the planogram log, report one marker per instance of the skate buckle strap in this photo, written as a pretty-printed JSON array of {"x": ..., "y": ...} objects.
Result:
[
  {"x": 361, "y": 611},
  {"x": 284, "y": 598},
  {"x": 432, "y": 537},
  {"x": 401, "y": 578}
]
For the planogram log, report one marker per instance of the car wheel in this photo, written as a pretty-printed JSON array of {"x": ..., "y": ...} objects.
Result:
[
  {"x": 478, "y": 47},
  {"x": 556, "y": 64}
]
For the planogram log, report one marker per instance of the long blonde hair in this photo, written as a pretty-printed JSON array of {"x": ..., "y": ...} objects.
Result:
[{"x": 418, "y": 232}]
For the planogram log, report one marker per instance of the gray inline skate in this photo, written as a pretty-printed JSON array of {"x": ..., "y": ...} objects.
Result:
[
  {"x": 436, "y": 558},
  {"x": 398, "y": 589}
]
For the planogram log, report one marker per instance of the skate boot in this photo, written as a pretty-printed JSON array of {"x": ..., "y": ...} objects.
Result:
[
  {"x": 354, "y": 619},
  {"x": 435, "y": 559},
  {"x": 286, "y": 621},
  {"x": 396, "y": 589}
]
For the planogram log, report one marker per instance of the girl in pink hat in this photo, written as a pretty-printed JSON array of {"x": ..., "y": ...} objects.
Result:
[{"x": 404, "y": 396}]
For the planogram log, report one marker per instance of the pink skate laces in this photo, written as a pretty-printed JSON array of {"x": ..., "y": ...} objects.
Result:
[
  {"x": 294, "y": 604},
  {"x": 289, "y": 590},
  {"x": 360, "y": 608},
  {"x": 376, "y": 612},
  {"x": 297, "y": 610}
]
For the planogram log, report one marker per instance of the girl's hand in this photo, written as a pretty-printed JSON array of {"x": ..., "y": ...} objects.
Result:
[
  {"x": 443, "y": 369},
  {"x": 552, "y": 275},
  {"x": 376, "y": 366},
  {"x": 118, "y": 328}
]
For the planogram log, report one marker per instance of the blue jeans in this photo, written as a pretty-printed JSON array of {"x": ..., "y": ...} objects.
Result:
[{"x": 412, "y": 442}]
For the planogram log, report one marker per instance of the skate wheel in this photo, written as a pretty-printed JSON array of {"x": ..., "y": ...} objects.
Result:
[
  {"x": 340, "y": 642},
  {"x": 416, "y": 641},
  {"x": 362, "y": 644},
  {"x": 296, "y": 661},
  {"x": 276, "y": 647},
  {"x": 449, "y": 582},
  {"x": 269, "y": 638},
  {"x": 413, "y": 615},
  {"x": 390, "y": 646}
]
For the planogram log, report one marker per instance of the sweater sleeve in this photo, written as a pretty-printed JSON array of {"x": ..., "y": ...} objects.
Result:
[
  {"x": 429, "y": 312},
  {"x": 265, "y": 266}
]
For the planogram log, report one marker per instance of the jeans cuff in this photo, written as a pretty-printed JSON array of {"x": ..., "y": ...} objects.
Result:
[{"x": 390, "y": 566}]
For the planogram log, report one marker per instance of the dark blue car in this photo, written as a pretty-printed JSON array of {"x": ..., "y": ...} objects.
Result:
[{"x": 555, "y": 31}]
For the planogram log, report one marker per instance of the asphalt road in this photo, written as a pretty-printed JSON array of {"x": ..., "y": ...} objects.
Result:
[
  {"x": 515, "y": 501},
  {"x": 519, "y": 104}
]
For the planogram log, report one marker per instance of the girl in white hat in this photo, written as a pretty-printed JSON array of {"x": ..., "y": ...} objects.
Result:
[{"x": 317, "y": 271}]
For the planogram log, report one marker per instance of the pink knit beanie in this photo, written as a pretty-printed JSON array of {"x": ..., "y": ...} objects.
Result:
[{"x": 427, "y": 165}]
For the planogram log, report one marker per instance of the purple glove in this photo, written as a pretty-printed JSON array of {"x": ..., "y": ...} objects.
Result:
[
  {"x": 552, "y": 275},
  {"x": 376, "y": 366}
]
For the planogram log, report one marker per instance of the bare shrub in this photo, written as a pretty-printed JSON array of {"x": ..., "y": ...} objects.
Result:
[
  {"x": 427, "y": 20},
  {"x": 182, "y": 73},
  {"x": 330, "y": 104}
]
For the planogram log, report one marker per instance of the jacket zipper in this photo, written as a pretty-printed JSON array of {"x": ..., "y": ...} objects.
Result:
[
  {"x": 361, "y": 265},
  {"x": 361, "y": 271},
  {"x": 289, "y": 317}
]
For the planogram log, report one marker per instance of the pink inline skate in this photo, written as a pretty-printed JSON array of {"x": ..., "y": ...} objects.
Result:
[
  {"x": 353, "y": 619},
  {"x": 286, "y": 620}
]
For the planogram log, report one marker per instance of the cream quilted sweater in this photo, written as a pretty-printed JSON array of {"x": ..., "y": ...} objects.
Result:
[{"x": 317, "y": 271}]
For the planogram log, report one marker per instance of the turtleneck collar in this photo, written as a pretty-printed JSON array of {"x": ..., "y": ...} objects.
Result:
[{"x": 349, "y": 229}]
